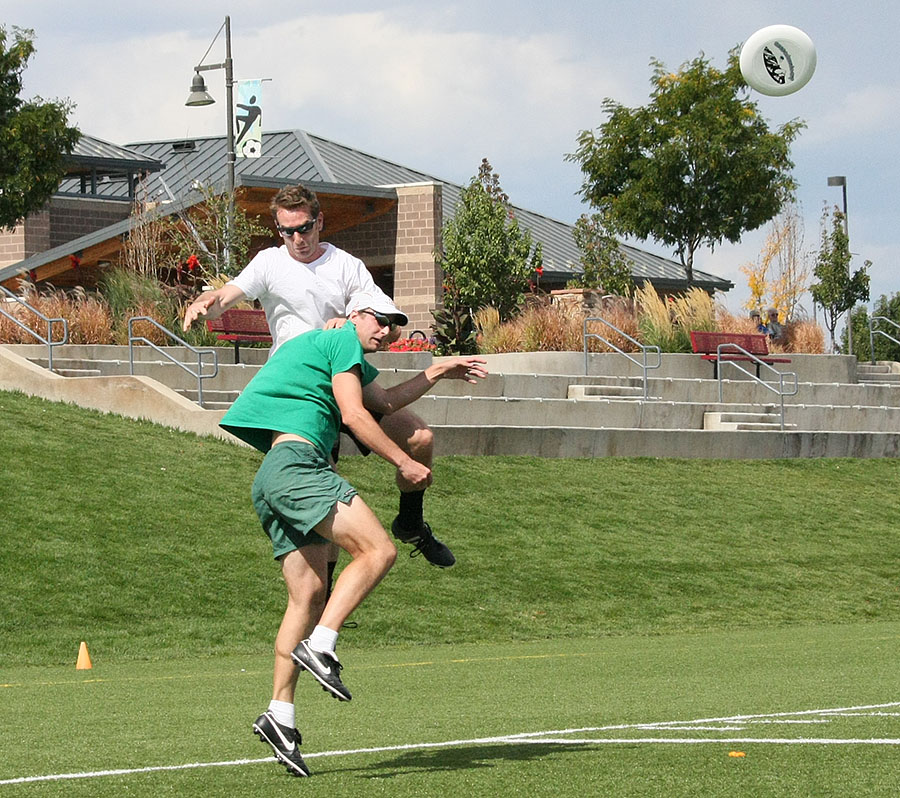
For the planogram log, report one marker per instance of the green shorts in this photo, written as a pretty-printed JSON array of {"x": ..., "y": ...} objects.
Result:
[{"x": 294, "y": 489}]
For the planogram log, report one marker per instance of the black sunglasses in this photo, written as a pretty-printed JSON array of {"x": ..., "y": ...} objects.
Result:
[
  {"x": 383, "y": 321},
  {"x": 288, "y": 232}
]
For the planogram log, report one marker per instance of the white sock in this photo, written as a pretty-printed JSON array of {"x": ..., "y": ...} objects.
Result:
[
  {"x": 283, "y": 712},
  {"x": 323, "y": 639}
]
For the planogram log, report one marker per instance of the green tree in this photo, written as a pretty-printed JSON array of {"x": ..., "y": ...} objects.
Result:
[
  {"x": 488, "y": 258},
  {"x": 604, "y": 266},
  {"x": 885, "y": 348},
  {"x": 837, "y": 290},
  {"x": 696, "y": 166},
  {"x": 202, "y": 231},
  {"x": 34, "y": 136}
]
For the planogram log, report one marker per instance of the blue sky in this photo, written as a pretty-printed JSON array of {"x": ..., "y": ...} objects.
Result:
[{"x": 439, "y": 86}]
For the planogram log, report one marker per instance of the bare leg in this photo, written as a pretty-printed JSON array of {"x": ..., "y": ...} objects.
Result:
[
  {"x": 412, "y": 435},
  {"x": 304, "y": 575},
  {"x": 357, "y": 531}
]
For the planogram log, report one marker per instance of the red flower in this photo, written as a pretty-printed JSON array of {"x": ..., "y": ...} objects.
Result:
[
  {"x": 193, "y": 262},
  {"x": 75, "y": 261},
  {"x": 411, "y": 345},
  {"x": 540, "y": 271}
]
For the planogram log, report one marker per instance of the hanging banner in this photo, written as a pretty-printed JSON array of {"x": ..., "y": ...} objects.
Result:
[{"x": 248, "y": 119}]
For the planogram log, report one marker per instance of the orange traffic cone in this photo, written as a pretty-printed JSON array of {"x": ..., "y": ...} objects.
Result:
[{"x": 84, "y": 659}]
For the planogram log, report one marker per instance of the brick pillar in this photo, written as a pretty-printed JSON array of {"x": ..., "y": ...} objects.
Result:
[
  {"x": 417, "y": 278},
  {"x": 37, "y": 232},
  {"x": 12, "y": 245}
]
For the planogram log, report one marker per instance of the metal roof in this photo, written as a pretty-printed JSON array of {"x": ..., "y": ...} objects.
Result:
[
  {"x": 93, "y": 152},
  {"x": 292, "y": 156}
]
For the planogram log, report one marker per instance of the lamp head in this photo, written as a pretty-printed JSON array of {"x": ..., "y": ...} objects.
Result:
[
  {"x": 838, "y": 180},
  {"x": 199, "y": 95}
]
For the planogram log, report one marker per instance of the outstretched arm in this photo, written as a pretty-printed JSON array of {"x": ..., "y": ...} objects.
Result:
[
  {"x": 387, "y": 401},
  {"x": 348, "y": 393},
  {"x": 212, "y": 304}
]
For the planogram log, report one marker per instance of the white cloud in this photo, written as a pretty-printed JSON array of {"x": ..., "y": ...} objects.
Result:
[
  {"x": 425, "y": 91},
  {"x": 871, "y": 110}
]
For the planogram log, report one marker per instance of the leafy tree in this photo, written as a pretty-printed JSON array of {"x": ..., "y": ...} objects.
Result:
[
  {"x": 781, "y": 272},
  {"x": 696, "y": 166},
  {"x": 885, "y": 348},
  {"x": 488, "y": 258},
  {"x": 604, "y": 266},
  {"x": 201, "y": 235},
  {"x": 34, "y": 136},
  {"x": 837, "y": 290}
]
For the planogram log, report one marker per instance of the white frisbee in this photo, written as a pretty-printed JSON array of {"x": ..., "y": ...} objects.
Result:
[{"x": 778, "y": 60}]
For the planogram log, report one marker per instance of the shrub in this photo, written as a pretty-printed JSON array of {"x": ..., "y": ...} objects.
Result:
[
  {"x": 10, "y": 332},
  {"x": 804, "y": 336},
  {"x": 620, "y": 313},
  {"x": 657, "y": 323},
  {"x": 87, "y": 317}
]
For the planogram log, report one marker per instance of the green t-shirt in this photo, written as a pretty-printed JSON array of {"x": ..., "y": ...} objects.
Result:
[{"x": 292, "y": 392}]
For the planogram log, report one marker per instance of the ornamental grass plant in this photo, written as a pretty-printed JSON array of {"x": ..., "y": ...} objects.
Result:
[{"x": 650, "y": 318}]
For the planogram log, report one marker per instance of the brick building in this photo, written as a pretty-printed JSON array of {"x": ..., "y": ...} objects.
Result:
[{"x": 390, "y": 216}]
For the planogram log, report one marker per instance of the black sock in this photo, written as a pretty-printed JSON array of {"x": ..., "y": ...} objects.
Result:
[
  {"x": 331, "y": 566},
  {"x": 410, "y": 516}
]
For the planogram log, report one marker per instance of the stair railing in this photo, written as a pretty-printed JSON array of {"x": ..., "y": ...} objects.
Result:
[
  {"x": 780, "y": 390},
  {"x": 873, "y": 332},
  {"x": 199, "y": 373},
  {"x": 48, "y": 341},
  {"x": 645, "y": 349}
]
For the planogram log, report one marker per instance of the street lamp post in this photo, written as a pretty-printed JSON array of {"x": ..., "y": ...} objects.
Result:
[
  {"x": 841, "y": 180},
  {"x": 199, "y": 96}
]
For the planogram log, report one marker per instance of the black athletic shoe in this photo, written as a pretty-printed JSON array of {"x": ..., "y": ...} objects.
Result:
[
  {"x": 324, "y": 666},
  {"x": 285, "y": 743},
  {"x": 425, "y": 543}
]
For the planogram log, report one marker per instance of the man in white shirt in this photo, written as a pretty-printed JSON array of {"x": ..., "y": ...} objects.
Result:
[{"x": 308, "y": 284}]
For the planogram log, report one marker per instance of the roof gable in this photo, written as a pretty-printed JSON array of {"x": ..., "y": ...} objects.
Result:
[{"x": 296, "y": 156}]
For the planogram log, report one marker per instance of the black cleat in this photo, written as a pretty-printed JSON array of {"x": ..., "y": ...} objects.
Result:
[
  {"x": 285, "y": 743},
  {"x": 425, "y": 543},
  {"x": 324, "y": 666}
]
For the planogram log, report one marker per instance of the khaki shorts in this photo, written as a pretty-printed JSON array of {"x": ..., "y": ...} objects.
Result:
[{"x": 295, "y": 488}]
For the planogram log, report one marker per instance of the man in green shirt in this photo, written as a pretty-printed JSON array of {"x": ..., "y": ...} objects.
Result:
[{"x": 292, "y": 410}]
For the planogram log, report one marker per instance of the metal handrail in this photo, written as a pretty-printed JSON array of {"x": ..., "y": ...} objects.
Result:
[
  {"x": 199, "y": 352},
  {"x": 872, "y": 332},
  {"x": 642, "y": 364},
  {"x": 781, "y": 374},
  {"x": 48, "y": 341}
]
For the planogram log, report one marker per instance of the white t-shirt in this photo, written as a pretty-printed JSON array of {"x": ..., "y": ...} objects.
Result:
[{"x": 299, "y": 297}]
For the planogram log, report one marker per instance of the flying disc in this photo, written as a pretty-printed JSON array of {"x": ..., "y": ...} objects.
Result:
[{"x": 778, "y": 60}]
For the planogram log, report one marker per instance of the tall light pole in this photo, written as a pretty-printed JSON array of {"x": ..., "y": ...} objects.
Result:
[
  {"x": 841, "y": 180},
  {"x": 199, "y": 96}
]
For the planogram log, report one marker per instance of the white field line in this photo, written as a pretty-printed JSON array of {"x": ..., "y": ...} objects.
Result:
[{"x": 560, "y": 737}]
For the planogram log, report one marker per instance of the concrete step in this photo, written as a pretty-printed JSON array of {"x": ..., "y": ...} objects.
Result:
[
  {"x": 212, "y": 400},
  {"x": 742, "y": 421},
  {"x": 880, "y": 373},
  {"x": 878, "y": 378},
  {"x": 873, "y": 368},
  {"x": 64, "y": 372},
  {"x": 891, "y": 383},
  {"x": 605, "y": 392}
]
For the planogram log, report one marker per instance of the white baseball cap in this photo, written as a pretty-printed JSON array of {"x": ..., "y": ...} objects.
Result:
[{"x": 380, "y": 304}]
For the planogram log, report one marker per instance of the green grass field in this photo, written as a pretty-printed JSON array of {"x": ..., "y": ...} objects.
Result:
[{"x": 613, "y": 627}]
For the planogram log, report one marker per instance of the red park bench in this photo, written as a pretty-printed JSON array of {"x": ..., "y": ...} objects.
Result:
[
  {"x": 706, "y": 344},
  {"x": 241, "y": 327}
]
